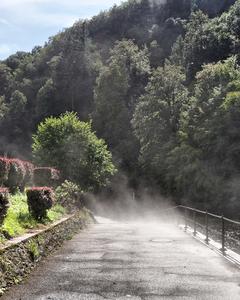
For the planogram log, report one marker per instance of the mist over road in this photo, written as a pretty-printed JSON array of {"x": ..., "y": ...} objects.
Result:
[{"x": 114, "y": 260}]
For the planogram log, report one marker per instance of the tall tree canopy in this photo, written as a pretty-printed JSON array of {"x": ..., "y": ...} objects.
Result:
[
  {"x": 119, "y": 85},
  {"x": 158, "y": 115}
]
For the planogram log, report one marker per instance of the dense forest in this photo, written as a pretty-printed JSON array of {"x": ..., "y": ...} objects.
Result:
[{"x": 160, "y": 82}]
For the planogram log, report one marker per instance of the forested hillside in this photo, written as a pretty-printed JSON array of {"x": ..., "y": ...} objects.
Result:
[{"x": 160, "y": 81}]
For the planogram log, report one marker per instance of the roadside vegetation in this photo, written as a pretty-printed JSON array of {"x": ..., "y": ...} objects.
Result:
[
  {"x": 33, "y": 196},
  {"x": 19, "y": 220}
]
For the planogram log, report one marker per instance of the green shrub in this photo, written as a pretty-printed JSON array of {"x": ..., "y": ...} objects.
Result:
[
  {"x": 70, "y": 195},
  {"x": 4, "y": 204},
  {"x": 56, "y": 213},
  {"x": 46, "y": 176},
  {"x": 39, "y": 200}
]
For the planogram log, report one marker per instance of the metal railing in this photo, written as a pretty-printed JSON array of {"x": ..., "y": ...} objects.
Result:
[{"x": 219, "y": 228}]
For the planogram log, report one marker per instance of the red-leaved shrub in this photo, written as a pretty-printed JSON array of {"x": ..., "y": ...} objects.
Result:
[
  {"x": 39, "y": 199},
  {"x": 16, "y": 174},
  {"x": 46, "y": 176},
  {"x": 4, "y": 169},
  {"x": 4, "y": 204}
]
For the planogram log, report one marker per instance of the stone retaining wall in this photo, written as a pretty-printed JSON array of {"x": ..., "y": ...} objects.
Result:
[{"x": 19, "y": 256}]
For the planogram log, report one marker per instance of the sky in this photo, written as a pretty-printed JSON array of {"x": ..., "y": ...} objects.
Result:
[{"x": 28, "y": 23}]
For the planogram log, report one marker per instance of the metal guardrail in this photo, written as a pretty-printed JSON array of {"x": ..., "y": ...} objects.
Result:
[{"x": 212, "y": 226}]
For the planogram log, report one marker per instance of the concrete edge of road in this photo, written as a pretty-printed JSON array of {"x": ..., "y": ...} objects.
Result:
[{"x": 229, "y": 255}]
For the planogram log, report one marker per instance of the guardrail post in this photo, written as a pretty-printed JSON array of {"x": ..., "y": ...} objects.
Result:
[
  {"x": 223, "y": 249},
  {"x": 206, "y": 224},
  {"x": 185, "y": 216},
  {"x": 194, "y": 224}
]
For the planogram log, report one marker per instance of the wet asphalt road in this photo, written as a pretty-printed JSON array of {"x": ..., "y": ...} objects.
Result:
[{"x": 131, "y": 261}]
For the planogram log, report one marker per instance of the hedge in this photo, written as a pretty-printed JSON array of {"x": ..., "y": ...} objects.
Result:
[
  {"x": 4, "y": 204},
  {"x": 46, "y": 176},
  {"x": 4, "y": 169},
  {"x": 28, "y": 179},
  {"x": 39, "y": 199},
  {"x": 16, "y": 174}
]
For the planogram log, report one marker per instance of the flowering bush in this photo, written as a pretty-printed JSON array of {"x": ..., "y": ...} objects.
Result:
[
  {"x": 4, "y": 169},
  {"x": 4, "y": 204},
  {"x": 16, "y": 174},
  {"x": 39, "y": 199},
  {"x": 46, "y": 176}
]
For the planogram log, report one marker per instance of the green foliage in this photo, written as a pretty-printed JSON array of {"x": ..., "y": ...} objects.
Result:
[
  {"x": 70, "y": 195},
  {"x": 19, "y": 220},
  {"x": 127, "y": 71},
  {"x": 18, "y": 102},
  {"x": 74, "y": 149},
  {"x": 56, "y": 213},
  {"x": 209, "y": 40},
  {"x": 158, "y": 115},
  {"x": 207, "y": 161},
  {"x": 3, "y": 108},
  {"x": 209, "y": 118},
  {"x": 44, "y": 97},
  {"x": 33, "y": 249}
]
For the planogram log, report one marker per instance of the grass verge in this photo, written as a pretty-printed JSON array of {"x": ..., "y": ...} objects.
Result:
[{"x": 19, "y": 221}]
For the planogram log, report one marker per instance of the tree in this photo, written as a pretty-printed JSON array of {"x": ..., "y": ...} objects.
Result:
[
  {"x": 70, "y": 145},
  {"x": 3, "y": 108},
  {"x": 6, "y": 80},
  {"x": 118, "y": 87},
  {"x": 195, "y": 43},
  {"x": 45, "y": 100},
  {"x": 213, "y": 118},
  {"x": 18, "y": 102},
  {"x": 204, "y": 168},
  {"x": 157, "y": 118}
]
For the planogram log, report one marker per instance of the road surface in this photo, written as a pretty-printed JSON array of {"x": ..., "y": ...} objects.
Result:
[{"x": 131, "y": 261}]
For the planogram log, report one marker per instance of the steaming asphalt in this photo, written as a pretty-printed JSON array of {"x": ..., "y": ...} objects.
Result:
[{"x": 131, "y": 261}]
